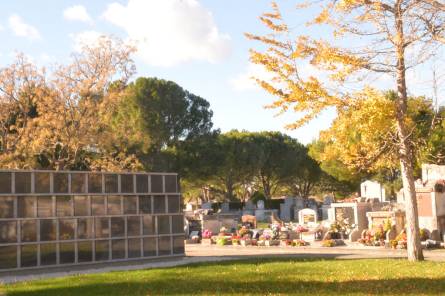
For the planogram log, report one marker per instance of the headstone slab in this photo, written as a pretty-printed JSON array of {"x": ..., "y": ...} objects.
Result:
[
  {"x": 299, "y": 203},
  {"x": 371, "y": 189},
  {"x": 249, "y": 205},
  {"x": 260, "y": 204},
  {"x": 289, "y": 200},
  {"x": 328, "y": 200},
  {"x": 225, "y": 207},
  {"x": 307, "y": 215},
  {"x": 206, "y": 206}
]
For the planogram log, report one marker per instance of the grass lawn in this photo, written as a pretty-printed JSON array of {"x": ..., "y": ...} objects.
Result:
[{"x": 262, "y": 276}]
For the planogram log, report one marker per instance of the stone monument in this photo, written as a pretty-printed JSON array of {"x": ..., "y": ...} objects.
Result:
[{"x": 306, "y": 216}]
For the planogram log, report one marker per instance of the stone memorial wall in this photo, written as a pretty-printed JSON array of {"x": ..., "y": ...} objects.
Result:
[{"x": 50, "y": 218}]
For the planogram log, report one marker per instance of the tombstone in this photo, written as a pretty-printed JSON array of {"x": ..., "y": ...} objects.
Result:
[
  {"x": 431, "y": 208},
  {"x": 371, "y": 189},
  {"x": 306, "y": 216},
  {"x": 380, "y": 218},
  {"x": 299, "y": 204},
  {"x": 325, "y": 211},
  {"x": 193, "y": 234},
  {"x": 249, "y": 208},
  {"x": 225, "y": 207},
  {"x": 328, "y": 200},
  {"x": 353, "y": 212},
  {"x": 249, "y": 205},
  {"x": 189, "y": 207},
  {"x": 206, "y": 206},
  {"x": 286, "y": 209},
  {"x": 432, "y": 172},
  {"x": 260, "y": 212},
  {"x": 260, "y": 205}
]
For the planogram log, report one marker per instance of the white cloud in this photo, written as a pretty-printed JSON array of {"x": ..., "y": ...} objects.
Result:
[
  {"x": 77, "y": 13},
  {"x": 22, "y": 29},
  {"x": 170, "y": 32},
  {"x": 245, "y": 81},
  {"x": 85, "y": 38}
]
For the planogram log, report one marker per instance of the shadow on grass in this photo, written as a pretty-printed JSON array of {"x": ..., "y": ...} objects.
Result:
[{"x": 169, "y": 282}]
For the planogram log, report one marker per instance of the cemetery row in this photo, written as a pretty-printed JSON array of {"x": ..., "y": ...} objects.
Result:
[{"x": 369, "y": 220}]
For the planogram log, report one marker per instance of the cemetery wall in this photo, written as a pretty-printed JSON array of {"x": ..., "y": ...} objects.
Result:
[{"x": 62, "y": 218}]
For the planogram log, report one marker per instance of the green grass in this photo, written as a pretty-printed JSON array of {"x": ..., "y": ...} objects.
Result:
[{"x": 263, "y": 276}]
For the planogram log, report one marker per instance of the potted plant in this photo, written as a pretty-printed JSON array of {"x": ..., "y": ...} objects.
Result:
[
  {"x": 235, "y": 240},
  {"x": 206, "y": 237},
  {"x": 222, "y": 241},
  {"x": 328, "y": 243},
  {"x": 299, "y": 243},
  {"x": 285, "y": 242},
  {"x": 261, "y": 241},
  {"x": 245, "y": 241}
]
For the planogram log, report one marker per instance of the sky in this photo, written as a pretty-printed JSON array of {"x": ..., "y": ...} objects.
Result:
[{"x": 198, "y": 44}]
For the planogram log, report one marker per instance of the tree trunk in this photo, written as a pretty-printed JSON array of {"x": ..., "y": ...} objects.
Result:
[
  {"x": 266, "y": 186},
  {"x": 405, "y": 151}
]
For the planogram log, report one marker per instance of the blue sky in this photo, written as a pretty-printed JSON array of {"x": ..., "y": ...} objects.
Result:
[{"x": 198, "y": 44}]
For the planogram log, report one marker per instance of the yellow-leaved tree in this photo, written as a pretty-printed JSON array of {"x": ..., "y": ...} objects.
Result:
[
  {"x": 361, "y": 39},
  {"x": 61, "y": 119}
]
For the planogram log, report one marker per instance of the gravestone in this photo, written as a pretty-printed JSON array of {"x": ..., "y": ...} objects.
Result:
[
  {"x": 260, "y": 205},
  {"x": 260, "y": 212},
  {"x": 353, "y": 212},
  {"x": 372, "y": 190},
  {"x": 206, "y": 206},
  {"x": 306, "y": 216},
  {"x": 249, "y": 205},
  {"x": 286, "y": 209},
  {"x": 225, "y": 207},
  {"x": 249, "y": 208},
  {"x": 432, "y": 172},
  {"x": 189, "y": 207},
  {"x": 328, "y": 200}
]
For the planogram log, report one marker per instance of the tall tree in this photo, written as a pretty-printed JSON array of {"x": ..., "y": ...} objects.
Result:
[
  {"x": 383, "y": 34},
  {"x": 21, "y": 86},
  {"x": 306, "y": 177},
  {"x": 277, "y": 159},
  {"x": 164, "y": 114},
  {"x": 55, "y": 120}
]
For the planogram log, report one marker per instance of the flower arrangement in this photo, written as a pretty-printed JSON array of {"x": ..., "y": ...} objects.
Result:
[
  {"x": 244, "y": 231},
  {"x": 223, "y": 231},
  {"x": 245, "y": 240},
  {"x": 236, "y": 239},
  {"x": 222, "y": 241},
  {"x": 375, "y": 237},
  {"x": 207, "y": 233},
  {"x": 301, "y": 228},
  {"x": 275, "y": 231},
  {"x": 299, "y": 243},
  {"x": 286, "y": 242},
  {"x": 328, "y": 243},
  {"x": 400, "y": 241}
]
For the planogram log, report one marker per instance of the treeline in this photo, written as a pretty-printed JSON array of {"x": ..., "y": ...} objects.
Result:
[
  {"x": 241, "y": 165},
  {"x": 88, "y": 115}
]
